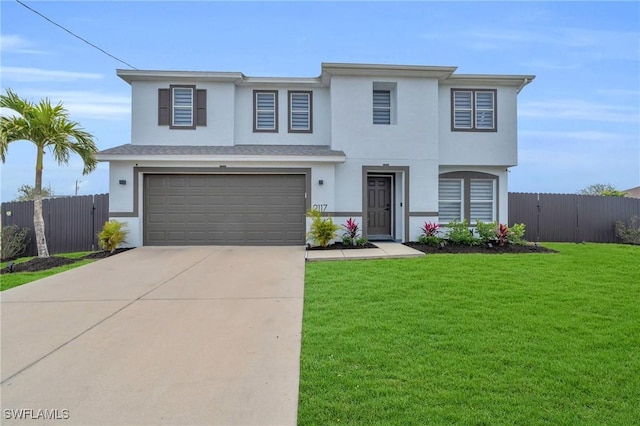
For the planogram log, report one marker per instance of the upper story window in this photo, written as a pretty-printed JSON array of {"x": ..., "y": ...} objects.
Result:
[
  {"x": 300, "y": 112},
  {"x": 384, "y": 103},
  {"x": 467, "y": 195},
  {"x": 382, "y": 107},
  {"x": 182, "y": 107},
  {"x": 473, "y": 110},
  {"x": 265, "y": 111}
]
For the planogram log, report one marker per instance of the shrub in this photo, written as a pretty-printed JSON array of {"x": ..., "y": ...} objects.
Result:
[
  {"x": 486, "y": 231},
  {"x": 459, "y": 233},
  {"x": 516, "y": 234},
  {"x": 361, "y": 241},
  {"x": 322, "y": 230},
  {"x": 351, "y": 232},
  {"x": 495, "y": 232},
  {"x": 627, "y": 234},
  {"x": 112, "y": 235},
  {"x": 14, "y": 241}
]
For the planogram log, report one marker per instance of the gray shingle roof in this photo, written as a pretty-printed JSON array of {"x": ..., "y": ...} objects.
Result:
[{"x": 286, "y": 150}]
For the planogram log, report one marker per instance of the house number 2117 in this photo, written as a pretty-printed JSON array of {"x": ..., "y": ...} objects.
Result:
[{"x": 320, "y": 207}]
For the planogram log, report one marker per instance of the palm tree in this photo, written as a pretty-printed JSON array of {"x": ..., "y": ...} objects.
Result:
[{"x": 47, "y": 126}]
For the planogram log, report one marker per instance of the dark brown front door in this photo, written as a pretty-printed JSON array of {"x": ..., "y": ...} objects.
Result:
[{"x": 379, "y": 206}]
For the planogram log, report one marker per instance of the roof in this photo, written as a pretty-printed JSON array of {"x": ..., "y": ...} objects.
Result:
[
  {"x": 232, "y": 153},
  {"x": 328, "y": 69},
  {"x": 633, "y": 192}
]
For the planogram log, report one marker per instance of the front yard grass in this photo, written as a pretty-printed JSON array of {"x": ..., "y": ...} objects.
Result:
[
  {"x": 526, "y": 339},
  {"x": 16, "y": 279}
]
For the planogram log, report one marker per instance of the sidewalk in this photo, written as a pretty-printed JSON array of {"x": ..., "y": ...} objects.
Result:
[{"x": 385, "y": 250}]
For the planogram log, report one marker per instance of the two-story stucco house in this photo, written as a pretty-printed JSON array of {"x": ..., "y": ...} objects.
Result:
[{"x": 222, "y": 158}]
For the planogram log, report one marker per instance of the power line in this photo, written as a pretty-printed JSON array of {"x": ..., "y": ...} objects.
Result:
[{"x": 77, "y": 36}]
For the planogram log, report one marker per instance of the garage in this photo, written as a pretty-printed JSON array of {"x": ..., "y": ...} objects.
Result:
[{"x": 224, "y": 209}]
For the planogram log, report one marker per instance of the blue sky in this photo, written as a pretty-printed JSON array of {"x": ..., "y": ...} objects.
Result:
[{"x": 579, "y": 121}]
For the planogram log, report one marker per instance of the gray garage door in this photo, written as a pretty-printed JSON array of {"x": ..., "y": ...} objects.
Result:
[{"x": 224, "y": 209}]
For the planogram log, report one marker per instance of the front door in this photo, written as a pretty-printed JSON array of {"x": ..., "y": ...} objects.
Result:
[{"x": 379, "y": 206}]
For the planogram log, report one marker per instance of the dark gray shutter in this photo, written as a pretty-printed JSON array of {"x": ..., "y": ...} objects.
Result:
[
  {"x": 201, "y": 107},
  {"x": 164, "y": 105}
]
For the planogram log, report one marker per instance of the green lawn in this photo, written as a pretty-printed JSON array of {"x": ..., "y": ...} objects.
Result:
[
  {"x": 529, "y": 339},
  {"x": 16, "y": 279}
]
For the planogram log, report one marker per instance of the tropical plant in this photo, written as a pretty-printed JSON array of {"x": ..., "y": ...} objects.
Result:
[
  {"x": 429, "y": 235},
  {"x": 28, "y": 192},
  {"x": 112, "y": 235},
  {"x": 14, "y": 241},
  {"x": 351, "y": 232},
  {"x": 322, "y": 229},
  {"x": 46, "y": 126}
]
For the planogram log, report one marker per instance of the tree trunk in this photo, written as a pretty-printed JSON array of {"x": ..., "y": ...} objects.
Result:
[{"x": 38, "y": 220}]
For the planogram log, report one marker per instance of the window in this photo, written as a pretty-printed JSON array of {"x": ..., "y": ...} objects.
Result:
[
  {"x": 382, "y": 107},
  {"x": 473, "y": 110},
  {"x": 384, "y": 102},
  {"x": 265, "y": 111},
  {"x": 450, "y": 200},
  {"x": 182, "y": 107},
  {"x": 300, "y": 112},
  {"x": 467, "y": 195},
  {"x": 481, "y": 200}
]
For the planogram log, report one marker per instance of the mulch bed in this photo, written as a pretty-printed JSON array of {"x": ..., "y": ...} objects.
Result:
[
  {"x": 482, "y": 248},
  {"x": 42, "y": 264},
  {"x": 340, "y": 246}
]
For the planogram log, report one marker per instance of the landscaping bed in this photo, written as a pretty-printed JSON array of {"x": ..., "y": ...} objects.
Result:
[
  {"x": 42, "y": 264},
  {"x": 479, "y": 248},
  {"x": 341, "y": 246}
]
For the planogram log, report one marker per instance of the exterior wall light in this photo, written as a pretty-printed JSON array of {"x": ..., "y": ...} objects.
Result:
[{"x": 122, "y": 182}]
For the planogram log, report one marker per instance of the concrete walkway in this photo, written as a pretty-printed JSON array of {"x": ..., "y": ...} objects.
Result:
[
  {"x": 384, "y": 250},
  {"x": 179, "y": 336}
]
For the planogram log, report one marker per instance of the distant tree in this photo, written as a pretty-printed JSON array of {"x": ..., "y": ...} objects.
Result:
[
  {"x": 28, "y": 193},
  {"x": 602, "y": 189},
  {"x": 46, "y": 126}
]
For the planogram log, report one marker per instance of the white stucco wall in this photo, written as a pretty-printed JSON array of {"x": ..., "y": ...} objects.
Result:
[
  {"x": 144, "y": 116},
  {"x": 415, "y": 136},
  {"x": 480, "y": 148}
]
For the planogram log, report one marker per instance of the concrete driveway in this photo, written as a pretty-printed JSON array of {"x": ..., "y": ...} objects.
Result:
[{"x": 180, "y": 335}]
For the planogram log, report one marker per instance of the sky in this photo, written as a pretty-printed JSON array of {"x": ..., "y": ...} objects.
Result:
[{"x": 578, "y": 122}]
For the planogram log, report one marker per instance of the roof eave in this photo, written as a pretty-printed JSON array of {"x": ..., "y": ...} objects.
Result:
[
  {"x": 226, "y": 158},
  {"x": 383, "y": 70},
  {"x": 196, "y": 76}
]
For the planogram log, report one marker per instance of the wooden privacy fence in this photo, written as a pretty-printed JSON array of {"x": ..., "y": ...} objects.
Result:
[
  {"x": 570, "y": 217},
  {"x": 71, "y": 223}
]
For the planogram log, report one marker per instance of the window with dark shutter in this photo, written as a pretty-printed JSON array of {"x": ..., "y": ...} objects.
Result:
[{"x": 182, "y": 107}]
